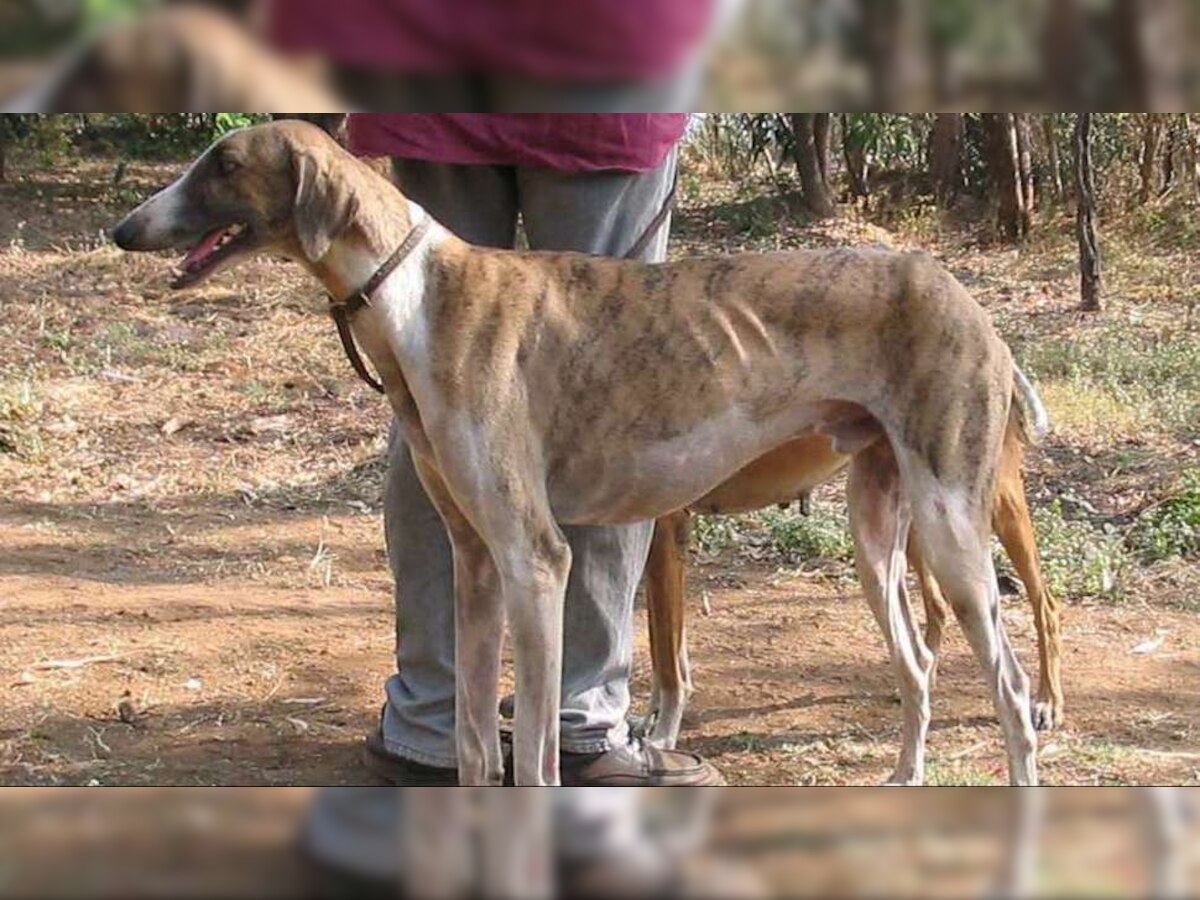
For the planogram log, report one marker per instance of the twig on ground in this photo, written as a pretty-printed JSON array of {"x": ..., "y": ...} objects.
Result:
[{"x": 82, "y": 663}]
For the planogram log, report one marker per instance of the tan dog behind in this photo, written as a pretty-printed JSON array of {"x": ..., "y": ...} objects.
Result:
[
  {"x": 545, "y": 388},
  {"x": 780, "y": 477}
]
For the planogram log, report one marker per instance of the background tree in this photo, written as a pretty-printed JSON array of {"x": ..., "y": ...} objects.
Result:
[
  {"x": 1053, "y": 159},
  {"x": 1014, "y": 213},
  {"x": 823, "y": 140},
  {"x": 1085, "y": 215},
  {"x": 1025, "y": 168},
  {"x": 856, "y": 146},
  {"x": 1151, "y": 139},
  {"x": 945, "y": 157},
  {"x": 815, "y": 190}
]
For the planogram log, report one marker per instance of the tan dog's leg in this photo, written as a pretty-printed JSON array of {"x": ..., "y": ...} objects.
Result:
[
  {"x": 1014, "y": 527},
  {"x": 666, "y": 592},
  {"x": 879, "y": 522},
  {"x": 478, "y": 633}
]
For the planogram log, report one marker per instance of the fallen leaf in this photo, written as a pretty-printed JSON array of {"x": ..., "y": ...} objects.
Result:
[
  {"x": 1149, "y": 646},
  {"x": 174, "y": 424}
]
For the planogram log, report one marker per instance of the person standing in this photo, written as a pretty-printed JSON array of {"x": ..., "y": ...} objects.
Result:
[{"x": 591, "y": 182}]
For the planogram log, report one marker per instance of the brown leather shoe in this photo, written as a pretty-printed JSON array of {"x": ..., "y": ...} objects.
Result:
[
  {"x": 401, "y": 772},
  {"x": 638, "y": 765}
]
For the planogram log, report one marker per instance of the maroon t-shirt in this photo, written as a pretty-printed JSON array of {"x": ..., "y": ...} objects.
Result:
[
  {"x": 568, "y": 142},
  {"x": 563, "y": 40}
]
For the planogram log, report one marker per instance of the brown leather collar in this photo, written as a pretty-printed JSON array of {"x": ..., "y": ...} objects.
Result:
[{"x": 342, "y": 310}]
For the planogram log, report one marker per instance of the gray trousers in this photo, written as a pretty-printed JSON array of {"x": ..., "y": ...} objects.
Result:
[{"x": 602, "y": 213}]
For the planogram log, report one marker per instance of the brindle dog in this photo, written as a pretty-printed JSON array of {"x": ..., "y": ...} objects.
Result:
[{"x": 545, "y": 388}]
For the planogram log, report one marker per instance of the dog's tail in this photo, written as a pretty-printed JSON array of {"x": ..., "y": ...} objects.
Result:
[{"x": 1030, "y": 413}]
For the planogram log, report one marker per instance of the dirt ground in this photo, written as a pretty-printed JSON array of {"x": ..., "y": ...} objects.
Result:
[{"x": 193, "y": 587}]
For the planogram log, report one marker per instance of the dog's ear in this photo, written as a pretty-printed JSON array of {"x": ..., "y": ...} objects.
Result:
[{"x": 324, "y": 207}]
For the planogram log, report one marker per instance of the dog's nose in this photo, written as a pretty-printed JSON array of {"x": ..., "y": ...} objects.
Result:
[{"x": 125, "y": 235}]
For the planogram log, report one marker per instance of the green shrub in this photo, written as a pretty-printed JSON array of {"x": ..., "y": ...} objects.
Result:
[
  {"x": 1078, "y": 559},
  {"x": 714, "y": 534},
  {"x": 1172, "y": 528},
  {"x": 822, "y": 536}
]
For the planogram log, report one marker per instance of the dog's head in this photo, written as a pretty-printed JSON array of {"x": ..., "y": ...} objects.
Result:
[{"x": 273, "y": 187}]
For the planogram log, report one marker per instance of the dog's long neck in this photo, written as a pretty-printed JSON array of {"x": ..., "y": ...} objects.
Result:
[
  {"x": 382, "y": 218},
  {"x": 392, "y": 331}
]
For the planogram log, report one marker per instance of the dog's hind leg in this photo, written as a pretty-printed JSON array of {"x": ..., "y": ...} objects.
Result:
[
  {"x": 937, "y": 611},
  {"x": 666, "y": 589},
  {"x": 879, "y": 521},
  {"x": 955, "y": 538},
  {"x": 478, "y": 634}
]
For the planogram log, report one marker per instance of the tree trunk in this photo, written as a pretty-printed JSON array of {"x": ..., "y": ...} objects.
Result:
[
  {"x": 1085, "y": 216},
  {"x": 1172, "y": 150},
  {"x": 1148, "y": 161},
  {"x": 1191, "y": 140},
  {"x": 854, "y": 151},
  {"x": 823, "y": 139},
  {"x": 816, "y": 195},
  {"x": 1005, "y": 169},
  {"x": 945, "y": 157},
  {"x": 1025, "y": 169},
  {"x": 1053, "y": 160}
]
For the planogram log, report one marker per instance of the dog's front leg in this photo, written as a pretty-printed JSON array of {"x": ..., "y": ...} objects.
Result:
[
  {"x": 533, "y": 575},
  {"x": 478, "y": 633}
]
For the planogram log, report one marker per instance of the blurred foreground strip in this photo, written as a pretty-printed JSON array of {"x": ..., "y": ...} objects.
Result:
[
  {"x": 781, "y": 55},
  {"x": 446, "y": 842}
]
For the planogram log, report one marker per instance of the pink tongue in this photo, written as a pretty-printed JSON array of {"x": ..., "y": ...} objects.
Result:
[{"x": 203, "y": 249}]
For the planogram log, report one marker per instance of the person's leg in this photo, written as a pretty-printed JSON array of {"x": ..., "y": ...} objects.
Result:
[
  {"x": 479, "y": 203},
  {"x": 603, "y": 213}
]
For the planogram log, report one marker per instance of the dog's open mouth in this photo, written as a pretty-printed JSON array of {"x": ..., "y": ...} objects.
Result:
[{"x": 215, "y": 248}]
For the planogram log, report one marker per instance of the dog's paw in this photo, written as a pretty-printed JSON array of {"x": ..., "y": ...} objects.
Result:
[{"x": 1045, "y": 716}]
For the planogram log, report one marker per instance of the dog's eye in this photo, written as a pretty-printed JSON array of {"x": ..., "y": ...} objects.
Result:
[{"x": 228, "y": 164}]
